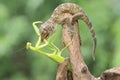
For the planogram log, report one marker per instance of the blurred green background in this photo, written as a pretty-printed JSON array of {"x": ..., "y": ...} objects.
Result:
[{"x": 16, "y": 17}]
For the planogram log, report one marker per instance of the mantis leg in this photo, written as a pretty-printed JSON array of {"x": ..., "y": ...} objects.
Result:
[
  {"x": 37, "y": 32},
  {"x": 45, "y": 44},
  {"x": 66, "y": 46},
  {"x": 53, "y": 47},
  {"x": 36, "y": 28}
]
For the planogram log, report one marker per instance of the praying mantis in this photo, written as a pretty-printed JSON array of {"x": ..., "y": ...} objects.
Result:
[{"x": 55, "y": 55}]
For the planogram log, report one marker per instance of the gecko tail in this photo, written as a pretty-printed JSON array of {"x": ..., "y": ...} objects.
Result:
[
  {"x": 84, "y": 17},
  {"x": 94, "y": 48}
]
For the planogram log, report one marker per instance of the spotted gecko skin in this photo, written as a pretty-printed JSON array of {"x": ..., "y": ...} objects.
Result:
[{"x": 48, "y": 28}]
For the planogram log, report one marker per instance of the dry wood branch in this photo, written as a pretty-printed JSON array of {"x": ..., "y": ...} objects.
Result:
[
  {"x": 111, "y": 74},
  {"x": 79, "y": 68},
  {"x": 62, "y": 70}
]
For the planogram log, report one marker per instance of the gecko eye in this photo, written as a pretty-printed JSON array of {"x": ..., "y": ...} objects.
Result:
[{"x": 44, "y": 34}]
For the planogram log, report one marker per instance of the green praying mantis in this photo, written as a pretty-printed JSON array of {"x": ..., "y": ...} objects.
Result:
[{"x": 55, "y": 55}]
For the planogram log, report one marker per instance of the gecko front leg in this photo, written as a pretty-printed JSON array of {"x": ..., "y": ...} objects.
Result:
[{"x": 68, "y": 21}]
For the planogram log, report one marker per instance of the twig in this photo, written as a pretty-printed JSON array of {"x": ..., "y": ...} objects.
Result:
[
  {"x": 79, "y": 68},
  {"x": 62, "y": 70}
]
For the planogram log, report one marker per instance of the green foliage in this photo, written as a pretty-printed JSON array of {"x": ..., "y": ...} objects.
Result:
[{"x": 17, "y": 63}]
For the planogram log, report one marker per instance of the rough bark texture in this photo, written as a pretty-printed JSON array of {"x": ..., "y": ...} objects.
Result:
[
  {"x": 80, "y": 70},
  {"x": 62, "y": 70},
  {"x": 111, "y": 74}
]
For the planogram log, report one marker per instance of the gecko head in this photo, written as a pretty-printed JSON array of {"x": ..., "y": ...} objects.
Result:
[{"x": 45, "y": 30}]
